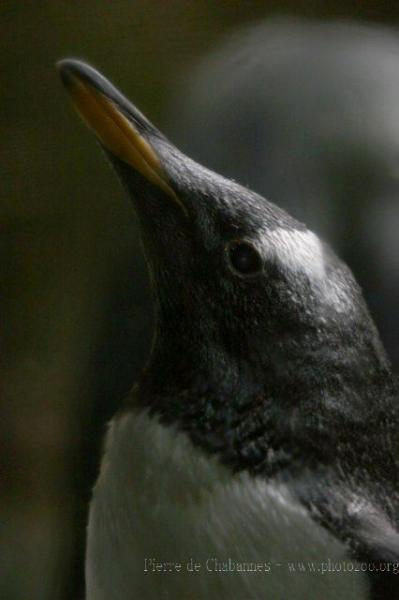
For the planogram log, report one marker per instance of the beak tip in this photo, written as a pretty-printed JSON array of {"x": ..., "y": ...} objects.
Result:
[{"x": 69, "y": 69}]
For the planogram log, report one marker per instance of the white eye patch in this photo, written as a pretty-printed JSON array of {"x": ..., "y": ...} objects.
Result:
[
  {"x": 297, "y": 251},
  {"x": 302, "y": 252}
]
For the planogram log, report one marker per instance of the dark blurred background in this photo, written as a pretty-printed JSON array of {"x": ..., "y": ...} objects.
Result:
[{"x": 306, "y": 112}]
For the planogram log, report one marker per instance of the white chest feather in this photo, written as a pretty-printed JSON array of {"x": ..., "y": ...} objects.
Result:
[{"x": 158, "y": 497}]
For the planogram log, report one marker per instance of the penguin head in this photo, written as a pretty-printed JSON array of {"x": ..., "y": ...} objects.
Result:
[{"x": 244, "y": 293}]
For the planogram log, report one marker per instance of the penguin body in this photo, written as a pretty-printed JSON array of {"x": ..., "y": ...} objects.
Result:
[
  {"x": 266, "y": 419},
  {"x": 159, "y": 500}
]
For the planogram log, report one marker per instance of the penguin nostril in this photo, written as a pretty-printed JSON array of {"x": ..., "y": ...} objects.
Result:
[{"x": 243, "y": 258}]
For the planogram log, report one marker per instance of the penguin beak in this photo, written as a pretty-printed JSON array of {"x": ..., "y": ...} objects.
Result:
[{"x": 120, "y": 128}]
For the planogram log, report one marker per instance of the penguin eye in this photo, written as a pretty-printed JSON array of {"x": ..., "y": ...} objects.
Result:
[{"x": 243, "y": 258}]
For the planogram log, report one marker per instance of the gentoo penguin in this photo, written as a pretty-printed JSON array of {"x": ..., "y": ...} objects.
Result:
[{"x": 255, "y": 458}]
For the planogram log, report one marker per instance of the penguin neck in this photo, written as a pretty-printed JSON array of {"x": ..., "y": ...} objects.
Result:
[
  {"x": 257, "y": 417},
  {"x": 191, "y": 357},
  {"x": 195, "y": 355}
]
